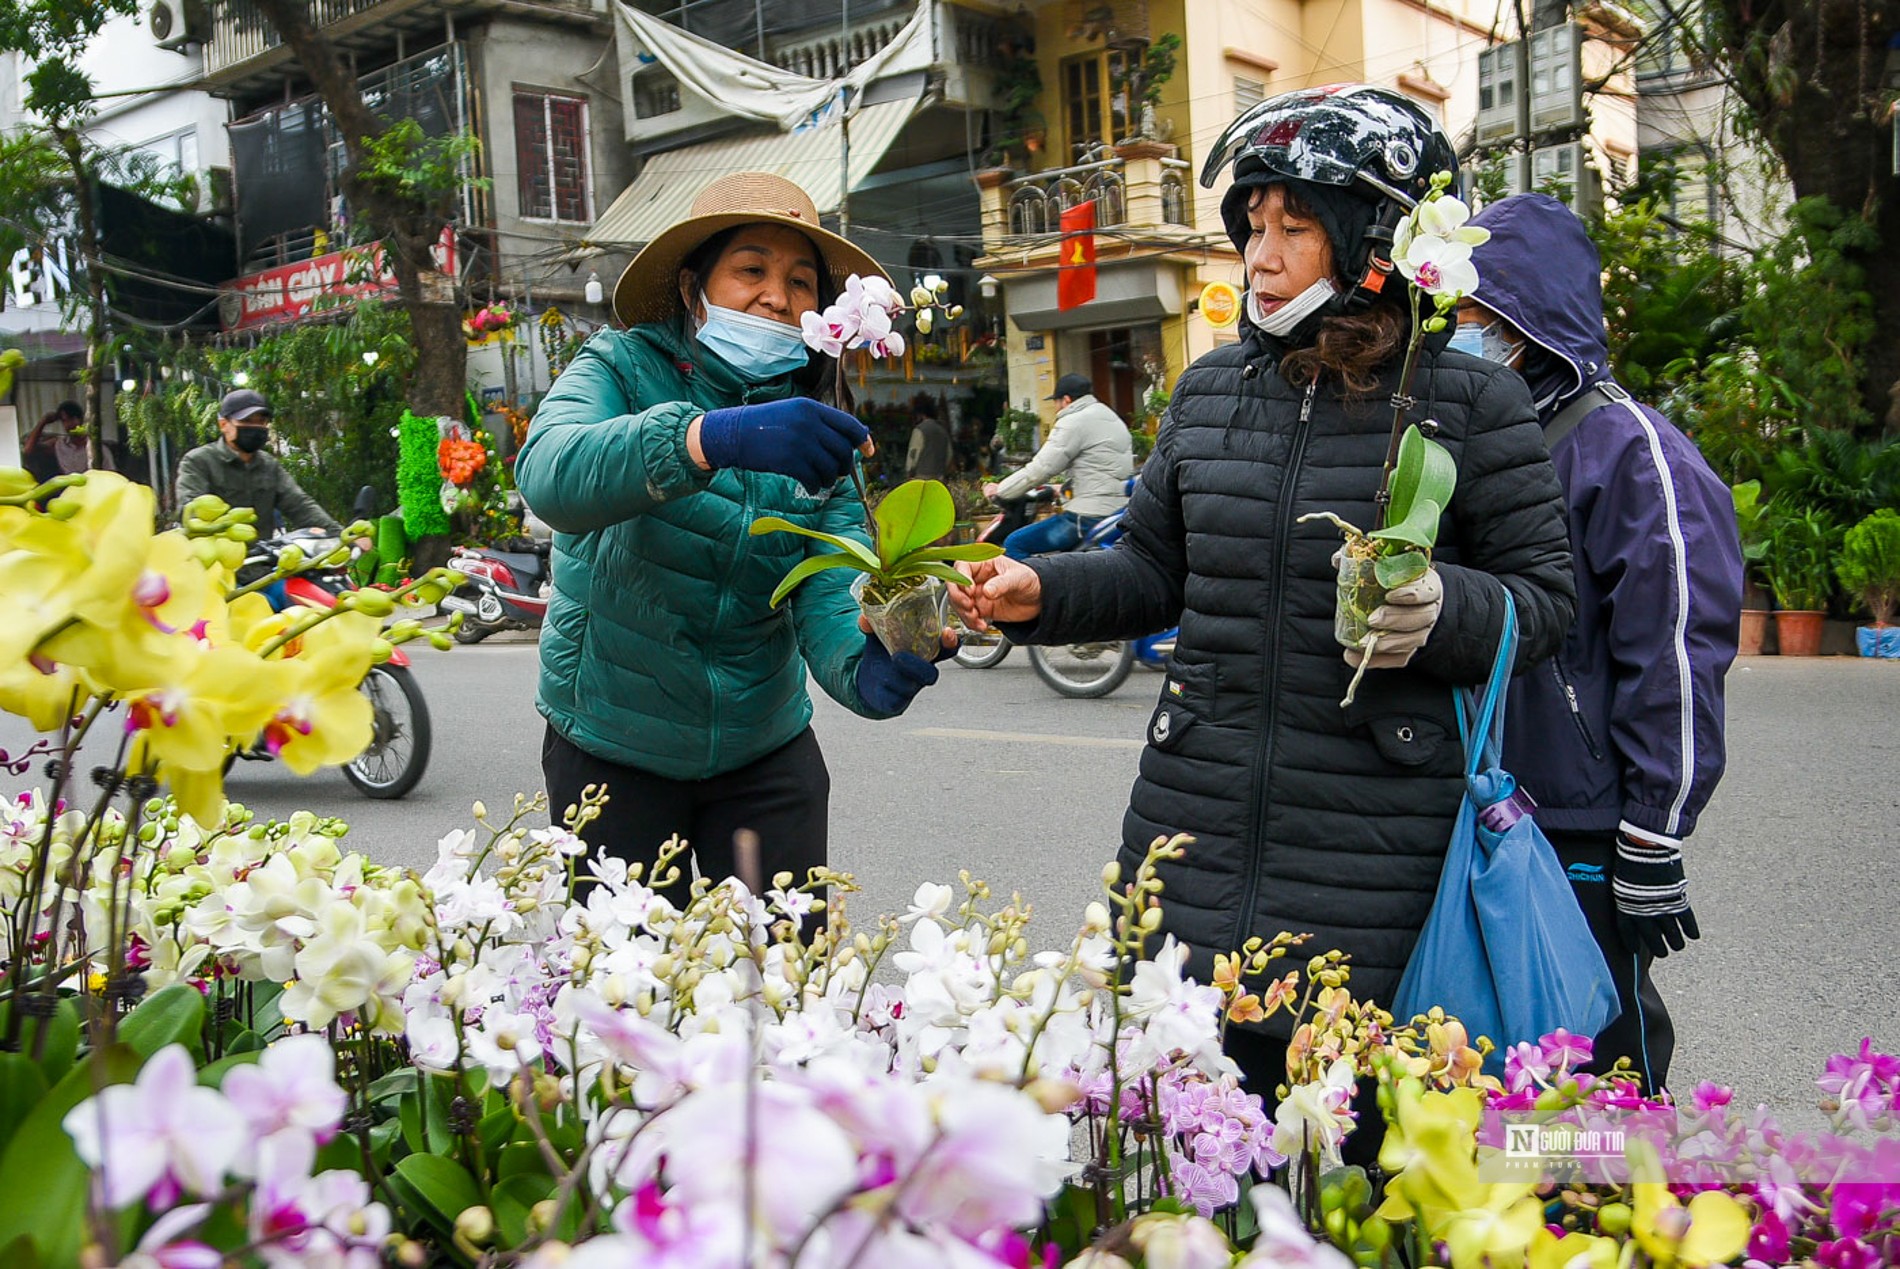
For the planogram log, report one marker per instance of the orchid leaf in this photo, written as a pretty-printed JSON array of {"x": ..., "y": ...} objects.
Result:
[
  {"x": 806, "y": 567},
  {"x": 1420, "y": 528},
  {"x": 1424, "y": 472},
  {"x": 773, "y": 524},
  {"x": 1396, "y": 570},
  {"x": 969, "y": 551},
  {"x": 914, "y": 515},
  {"x": 930, "y": 568}
]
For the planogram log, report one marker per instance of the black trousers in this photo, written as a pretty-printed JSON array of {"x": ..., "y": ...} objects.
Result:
[
  {"x": 1643, "y": 1032},
  {"x": 784, "y": 797}
]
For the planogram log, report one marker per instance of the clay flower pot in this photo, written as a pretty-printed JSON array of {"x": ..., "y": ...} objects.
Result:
[
  {"x": 1754, "y": 632},
  {"x": 1798, "y": 631}
]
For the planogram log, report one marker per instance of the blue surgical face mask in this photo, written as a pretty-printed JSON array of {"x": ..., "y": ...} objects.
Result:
[
  {"x": 757, "y": 347},
  {"x": 1468, "y": 338}
]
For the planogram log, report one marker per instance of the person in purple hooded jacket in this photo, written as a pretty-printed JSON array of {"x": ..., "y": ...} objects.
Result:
[{"x": 1619, "y": 737}]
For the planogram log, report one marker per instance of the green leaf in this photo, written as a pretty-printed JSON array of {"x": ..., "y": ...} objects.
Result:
[
  {"x": 1419, "y": 528},
  {"x": 773, "y": 524},
  {"x": 170, "y": 1015},
  {"x": 511, "y": 1200},
  {"x": 809, "y": 565},
  {"x": 1396, "y": 570},
  {"x": 929, "y": 568},
  {"x": 443, "y": 1184},
  {"x": 22, "y": 1086},
  {"x": 56, "y": 1054},
  {"x": 970, "y": 551},
  {"x": 914, "y": 515},
  {"x": 40, "y": 1172},
  {"x": 1424, "y": 472},
  {"x": 20, "y": 1254}
]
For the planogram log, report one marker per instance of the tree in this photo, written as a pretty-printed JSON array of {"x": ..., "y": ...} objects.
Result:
[
  {"x": 401, "y": 187},
  {"x": 1811, "y": 74}
]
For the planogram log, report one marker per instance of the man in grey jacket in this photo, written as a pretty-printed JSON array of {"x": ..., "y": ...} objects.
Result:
[
  {"x": 1090, "y": 442},
  {"x": 238, "y": 469}
]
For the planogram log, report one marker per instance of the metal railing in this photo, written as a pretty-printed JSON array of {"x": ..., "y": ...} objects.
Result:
[{"x": 1036, "y": 203}]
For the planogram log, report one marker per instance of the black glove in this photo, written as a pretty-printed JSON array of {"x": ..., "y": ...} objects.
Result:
[
  {"x": 889, "y": 683},
  {"x": 796, "y": 437},
  {"x": 1652, "y": 896}
]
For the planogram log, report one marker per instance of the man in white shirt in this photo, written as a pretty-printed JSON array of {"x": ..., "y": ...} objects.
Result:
[{"x": 1090, "y": 442}]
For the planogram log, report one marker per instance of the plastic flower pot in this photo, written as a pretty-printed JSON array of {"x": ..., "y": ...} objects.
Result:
[
  {"x": 912, "y": 620},
  {"x": 1754, "y": 632},
  {"x": 1360, "y": 595},
  {"x": 1878, "y": 641},
  {"x": 1798, "y": 632}
]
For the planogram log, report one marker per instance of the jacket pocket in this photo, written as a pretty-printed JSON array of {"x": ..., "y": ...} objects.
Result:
[
  {"x": 1575, "y": 706},
  {"x": 1410, "y": 725},
  {"x": 1187, "y": 697}
]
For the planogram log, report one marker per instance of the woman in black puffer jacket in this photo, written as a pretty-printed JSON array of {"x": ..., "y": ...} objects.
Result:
[{"x": 1307, "y": 817}]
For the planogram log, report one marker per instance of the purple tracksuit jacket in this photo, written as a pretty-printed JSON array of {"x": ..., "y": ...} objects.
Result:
[{"x": 1624, "y": 725}]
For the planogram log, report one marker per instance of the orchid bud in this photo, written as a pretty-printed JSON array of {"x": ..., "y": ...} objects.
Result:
[
  {"x": 954, "y": 312},
  {"x": 1111, "y": 873},
  {"x": 924, "y": 320},
  {"x": 1151, "y": 920},
  {"x": 1095, "y": 918},
  {"x": 475, "y": 1225},
  {"x": 481, "y": 810},
  {"x": 920, "y": 296}
]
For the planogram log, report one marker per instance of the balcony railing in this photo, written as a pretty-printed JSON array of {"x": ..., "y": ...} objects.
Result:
[
  {"x": 240, "y": 34},
  {"x": 1036, "y": 203}
]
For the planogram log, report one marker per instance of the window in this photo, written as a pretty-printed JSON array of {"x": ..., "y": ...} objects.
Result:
[
  {"x": 1098, "y": 97},
  {"x": 654, "y": 93},
  {"x": 1691, "y": 191},
  {"x": 1673, "y": 29},
  {"x": 1248, "y": 93},
  {"x": 551, "y": 156}
]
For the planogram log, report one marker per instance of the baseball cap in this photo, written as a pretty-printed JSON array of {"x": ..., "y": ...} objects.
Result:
[
  {"x": 1071, "y": 386},
  {"x": 242, "y": 404}
]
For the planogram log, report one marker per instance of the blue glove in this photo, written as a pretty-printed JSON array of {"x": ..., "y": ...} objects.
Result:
[
  {"x": 888, "y": 683},
  {"x": 796, "y": 437}
]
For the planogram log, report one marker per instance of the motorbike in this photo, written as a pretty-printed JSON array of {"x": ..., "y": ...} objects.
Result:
[
  {"x": 505, "y": 590},
  {"x": 981, "y": 649},
  {"x": 400, "y": 738},
  {"x": 1077, "y": 670}
]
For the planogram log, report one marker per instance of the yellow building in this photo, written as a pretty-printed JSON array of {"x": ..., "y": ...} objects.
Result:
[{"x": 1158, "y": 238}]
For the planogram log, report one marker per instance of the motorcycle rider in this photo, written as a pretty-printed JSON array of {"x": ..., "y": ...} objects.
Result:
[
  {"x": 1089, "y": 441},
  {"x": 239, "y": 469}
]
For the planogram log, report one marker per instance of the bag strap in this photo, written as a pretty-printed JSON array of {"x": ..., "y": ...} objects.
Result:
[
  {"x": 1486, "y": 718},
  {"x": 1599, "y": 394}
]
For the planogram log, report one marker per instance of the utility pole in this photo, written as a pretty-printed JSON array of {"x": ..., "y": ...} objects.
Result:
[
  {"x": 1524, "y": 91},
  {"x": 844, "y": 120}
]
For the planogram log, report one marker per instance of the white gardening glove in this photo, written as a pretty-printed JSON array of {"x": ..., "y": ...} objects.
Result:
[{"x": 1403, "y": 622}]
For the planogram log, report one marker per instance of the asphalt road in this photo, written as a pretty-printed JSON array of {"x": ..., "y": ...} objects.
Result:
[{"x": 990, "y": 771}]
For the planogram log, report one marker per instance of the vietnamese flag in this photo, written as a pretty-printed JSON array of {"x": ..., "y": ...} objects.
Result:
[{"x": 1075, "y": 283}]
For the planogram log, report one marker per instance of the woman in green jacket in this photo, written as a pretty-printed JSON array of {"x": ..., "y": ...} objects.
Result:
[{"x": 666, "y": 675}]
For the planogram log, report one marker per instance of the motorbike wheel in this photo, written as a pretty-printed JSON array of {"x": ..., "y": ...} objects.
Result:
[
  {"x": 398, "y": 750},
  {"x": 1084, "y": 670},
  {"x": 471, "y": 631},
  {"x": 981, "y": 651}
]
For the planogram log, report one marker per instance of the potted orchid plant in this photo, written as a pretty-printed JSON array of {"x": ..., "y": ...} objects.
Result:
[
  {"x": 1432, "y": 250},
  {"x": 902, "y": 588}
]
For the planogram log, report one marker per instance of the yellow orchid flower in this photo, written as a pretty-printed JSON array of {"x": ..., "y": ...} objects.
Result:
[
  {"x": 184, "y": 728},
  {"x": 130, "y": 640},
  {"x": 1572, "y": 1251},
  {"x": 1495, "y": 1231},
  {"x": 1711, "y": 1230},
  {"x": 323, "y": 718},
  {"x": 43, "y": 692}
]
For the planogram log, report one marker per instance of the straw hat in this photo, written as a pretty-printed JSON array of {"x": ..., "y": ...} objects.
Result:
[{"x": 649, "y": 289}]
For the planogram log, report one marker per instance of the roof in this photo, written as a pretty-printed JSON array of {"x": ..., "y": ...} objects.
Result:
[{"x": 664, "y": 191}]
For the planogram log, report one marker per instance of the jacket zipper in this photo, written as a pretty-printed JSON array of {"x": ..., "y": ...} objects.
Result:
[
  {"x": 1576, "y": 709},
  {"x": 1263, "y": 752}
]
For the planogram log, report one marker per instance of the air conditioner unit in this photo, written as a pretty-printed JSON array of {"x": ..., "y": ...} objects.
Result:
[
  {"x": 176, "y": 23},
  {"x": 1556, "y": 80},
  {"x": 1497, "y": 94}
]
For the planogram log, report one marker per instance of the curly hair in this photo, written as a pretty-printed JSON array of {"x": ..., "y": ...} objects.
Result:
[{"x": 1352, "y": 346}]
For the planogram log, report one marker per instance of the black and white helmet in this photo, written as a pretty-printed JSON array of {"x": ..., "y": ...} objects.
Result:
[{"x": 1370, "y": 141}]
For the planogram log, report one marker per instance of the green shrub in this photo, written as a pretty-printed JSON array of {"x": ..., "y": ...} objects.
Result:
[
  {"x": 1799, "y": 558},
  {"x": 1870, "y": 563}
]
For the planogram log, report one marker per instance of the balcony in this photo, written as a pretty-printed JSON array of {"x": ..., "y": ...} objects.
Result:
[
  {"x": 1036, "y": 203},
  {"x": 244, "y": 55}
]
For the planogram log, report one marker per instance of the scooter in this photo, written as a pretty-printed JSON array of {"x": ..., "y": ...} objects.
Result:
[
  {"x": 505, "y": 590},
  {"x": 1089, "y": 670},
  {"x": 981, "y": 649},
  {"x": 400, "y": 737},
  {"x": 1079, "y": 670}
]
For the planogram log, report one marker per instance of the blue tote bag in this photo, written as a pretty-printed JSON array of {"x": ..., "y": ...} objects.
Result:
[{"x": 1506, "y": 950}]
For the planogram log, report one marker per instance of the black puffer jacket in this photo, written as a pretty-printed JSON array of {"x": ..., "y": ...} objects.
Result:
[{"x": 1307, "y": 817}]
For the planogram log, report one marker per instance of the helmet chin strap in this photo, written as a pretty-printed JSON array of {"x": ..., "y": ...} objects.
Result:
[{"x": 1378, "y": 267}]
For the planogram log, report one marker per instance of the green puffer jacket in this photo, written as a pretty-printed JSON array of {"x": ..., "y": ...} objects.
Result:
[{"x": 661, "y": 651}]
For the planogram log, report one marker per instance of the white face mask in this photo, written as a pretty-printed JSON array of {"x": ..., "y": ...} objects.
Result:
[
  {"x": 1286, "y": 319},
  {"x": 757, "y": 347}
]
